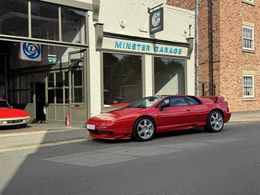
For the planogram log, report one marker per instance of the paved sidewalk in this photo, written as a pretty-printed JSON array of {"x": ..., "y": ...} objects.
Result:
[
  {"x": 36, "y": 135},
  {"x": 252, "y": 116}
]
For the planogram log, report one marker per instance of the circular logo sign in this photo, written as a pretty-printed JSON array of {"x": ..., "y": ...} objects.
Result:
[
  {"x": 156, "y": 18},
  {"x": 31, "y": 50}
]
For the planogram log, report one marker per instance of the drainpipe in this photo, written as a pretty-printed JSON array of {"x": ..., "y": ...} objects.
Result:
[
  {"x": 197, "y": 48},
  {"x": 210, "y": 47}
]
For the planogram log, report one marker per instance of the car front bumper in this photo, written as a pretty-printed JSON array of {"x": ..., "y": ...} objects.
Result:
[
  {"x": 108, "y": 134},
  {"x": 14, "y": 121}
]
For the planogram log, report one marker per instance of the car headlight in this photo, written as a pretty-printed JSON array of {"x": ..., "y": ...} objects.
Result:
[{"x": 3, "y": 122}]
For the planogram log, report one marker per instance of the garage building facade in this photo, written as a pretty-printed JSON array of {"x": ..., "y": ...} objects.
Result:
[{"x": 81, "y": 58}]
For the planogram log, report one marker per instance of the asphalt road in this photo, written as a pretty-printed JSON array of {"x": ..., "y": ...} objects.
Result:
[{"x": 187, "y": 162}]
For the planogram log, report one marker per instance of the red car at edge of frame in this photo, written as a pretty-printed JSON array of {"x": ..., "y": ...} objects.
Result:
[
  {"x": 143, "y": 119},
  {"x": 11, "y": 116}
]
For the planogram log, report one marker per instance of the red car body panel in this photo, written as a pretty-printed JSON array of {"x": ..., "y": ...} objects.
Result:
[
  {"x": 12, "y": 113},
  {"x": 11, "y": 116},
  {"x": 119, "y": 124}
]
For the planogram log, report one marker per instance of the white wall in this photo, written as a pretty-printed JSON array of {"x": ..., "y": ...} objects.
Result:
[{"x": 135, "y": 14}]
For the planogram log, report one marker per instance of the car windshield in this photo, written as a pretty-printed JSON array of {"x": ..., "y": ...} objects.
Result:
[
  {"x": 145, "y": 102},
  {"x": 4, "y": 104}
]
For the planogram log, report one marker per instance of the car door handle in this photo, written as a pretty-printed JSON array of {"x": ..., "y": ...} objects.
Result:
[{"x": 188, "y": 110}]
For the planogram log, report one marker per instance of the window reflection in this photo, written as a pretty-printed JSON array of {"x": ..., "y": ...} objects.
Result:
[
  {"x": 14, "y": 17},
  {"x": 73, "y": 25},
  {"x": 169, "y": 75},
  {"x": 45, "y": 22},
  {"x": 122, "y": 79}
]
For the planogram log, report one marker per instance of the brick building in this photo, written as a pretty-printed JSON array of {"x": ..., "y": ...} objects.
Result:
[{"x": 229, "y": 50}]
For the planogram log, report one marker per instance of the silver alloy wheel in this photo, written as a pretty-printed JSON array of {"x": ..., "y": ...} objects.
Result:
[
  {"x": 216, "y": 121},
  {"x": 145, "y": 129}
]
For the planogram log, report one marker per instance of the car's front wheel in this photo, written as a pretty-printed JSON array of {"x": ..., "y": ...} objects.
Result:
[
  {"x": 144, "y": 129},
  {"x": 215, "y": 122}
]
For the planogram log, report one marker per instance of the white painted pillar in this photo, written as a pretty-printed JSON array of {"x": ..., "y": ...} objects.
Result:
[
  {"x": 190, "y": 75},
  {"x": 148, "y": 75},
  {"x": 95, "y": 86}
]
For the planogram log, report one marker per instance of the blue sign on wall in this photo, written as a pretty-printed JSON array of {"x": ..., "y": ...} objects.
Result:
[{"x": 31, "y": 52}]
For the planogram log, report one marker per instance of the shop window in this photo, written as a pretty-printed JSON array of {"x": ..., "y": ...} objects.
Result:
[
  {"x": 59, "y": 80},
  {"x": 248, "y": 38},
  {"x": 58, "y": 87},
  {"x": 29, "y": 88},
  {"x": 248, "y": 86},
  {"x": 51, "y": 80},
  {"x": 21, "y": 90},
  {"x": 51, "y": 88},
  {"x": 73, "y": 25},
  {"x": 169, "y": 76},
  {"x": 14, "y": 17},
  {"x": 122, "y": 79},
  {"x": 66, "y": 96},
  {"x": 59, "y": 95},
  {"x": 77, "y": 85},
  {"x": 66, "y": 86},
  {"x": 45, "y": 21},
  {"x": 11, "y": 93},
  {"x": 50, "y": 96}
]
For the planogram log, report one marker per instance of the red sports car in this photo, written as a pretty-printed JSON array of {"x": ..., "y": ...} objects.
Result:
[
  {"x": 156, "y": 114},
  {"x": 12, "y": 117}
]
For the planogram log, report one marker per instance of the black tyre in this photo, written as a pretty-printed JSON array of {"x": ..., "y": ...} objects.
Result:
[
  {"x": 23, "y": 125},
  {"x": 144, "y": 129},
  {"x": 215, "y": 121}
]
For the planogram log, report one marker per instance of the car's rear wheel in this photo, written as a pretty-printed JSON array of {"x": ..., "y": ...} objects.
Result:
[
  {"x": 215, "y": 122},
  {"x": 144, "y": 129}
]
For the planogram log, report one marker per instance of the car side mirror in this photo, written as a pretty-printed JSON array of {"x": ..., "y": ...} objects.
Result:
[{"x": 163, "y": 105}]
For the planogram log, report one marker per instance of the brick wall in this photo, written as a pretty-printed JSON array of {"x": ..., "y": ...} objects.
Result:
[
  {"x": 230, "y": 61},
  {"x": 235, "y": 61}
]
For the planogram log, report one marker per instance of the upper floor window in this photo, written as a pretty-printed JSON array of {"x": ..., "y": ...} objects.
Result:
[
  {"x": 249, "y": 1},
  {"x": 42, "y": 20},
  {"x": 14, "y": 17},
  {"x": 248, "y": 86},
  {"x": 248, "y": 38}
]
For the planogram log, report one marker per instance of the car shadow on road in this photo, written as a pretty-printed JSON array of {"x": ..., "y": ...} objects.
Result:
[
  {"x": 33, "y": 174},
  {"x": 158, "y": 136},
  {"x": 182, "y": 132}
]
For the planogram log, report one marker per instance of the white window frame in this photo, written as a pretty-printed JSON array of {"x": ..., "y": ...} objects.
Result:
[
  {"x": 247, "y": 38},
  {"x": 249, "y": 1},
  {"x": 245, "y": 86}
]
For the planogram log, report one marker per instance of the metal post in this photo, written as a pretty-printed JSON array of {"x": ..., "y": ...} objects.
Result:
[
  {"x": 210, "y": 47},
  {"x": 29, "y": 19},
  {"x": 197, "y": 48}
]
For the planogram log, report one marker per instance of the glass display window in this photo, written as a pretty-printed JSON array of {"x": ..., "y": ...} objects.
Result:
[
  {"x": 122, "y": 79},
  {"x": 169, "y": 76}
]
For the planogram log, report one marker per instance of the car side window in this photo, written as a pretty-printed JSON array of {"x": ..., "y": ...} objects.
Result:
[
  {"x": 164, "y": 103},
  {"x": 178, "y": 101},
  {"x": 192, "y": 101}
]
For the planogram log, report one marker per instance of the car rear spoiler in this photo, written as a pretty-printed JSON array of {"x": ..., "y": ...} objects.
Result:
[{"x": 215, "y": 99}]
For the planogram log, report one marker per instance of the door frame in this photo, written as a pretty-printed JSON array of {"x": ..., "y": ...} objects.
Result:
[
  {"x": 5, "y": 75},
  {"x": 85, "y": 82}
]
